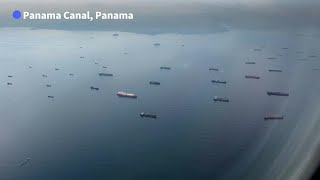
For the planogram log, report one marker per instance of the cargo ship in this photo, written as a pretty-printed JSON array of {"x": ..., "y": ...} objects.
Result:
[
  {"x": 124, "y": 94},
  {"x": 165, "y": 67},
  {"x": 273, "y": 118},
  {"x": 216, "y": 98},
  {"x": 105, "y": 74},
  {"x": 213, "y": 69},
  {"x": 270, "y": 93},
  {"x": 252, "y": 77},
  {"x": 94, "y": 88},
  {"x": 275, "y": 70},
  {"x": 250, "y": 63},
  {"x": 148, "y": 115},
  {"x": 219, "y": 81},
  {"x": 154, "y": 82}
]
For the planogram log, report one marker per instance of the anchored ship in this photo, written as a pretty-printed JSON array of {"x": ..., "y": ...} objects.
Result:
[
  {"x": 252, "y": 77},
  {"x": 154, "y": 82},
  {"x": 273, "y": 118},
  {"x": 124, "y": 94},
  {"x": 148, "y": 115},
  {"x": 165, "y": 67},
  {"x": 275, "y": 70},
  {"x": 270, "y": 93},
  {"x": 216, "y": 98},
  {"x": 219, "y": 81},
  {"x": 213, "y": 69},
  {"x": 94, "y": 88},
  {"x": 105, "y": 74}
]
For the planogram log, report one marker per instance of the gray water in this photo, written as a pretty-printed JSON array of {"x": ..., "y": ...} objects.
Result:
[{"x": 85, "y": 134}]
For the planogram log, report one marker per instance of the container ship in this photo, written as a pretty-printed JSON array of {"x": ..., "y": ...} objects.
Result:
[
  {"x": 216, "y": 98},
  {"x": 154, "y": 82},
  {"x": 105, "y": 74},
  {"x": 275, "y": 70},
  {"x": 148, "y": 115},
  {"x": 219, "y": 81},
  {"x": 273, "y": 118},
  {"x": 124, "y": 94},
  {"x": 165, "y": 67},
  {"x": 252, "y": 77},
  {"x": 94, "y": 88},
  {"x": 213, "y": 69},
  {"x": 270, "y": 93}
]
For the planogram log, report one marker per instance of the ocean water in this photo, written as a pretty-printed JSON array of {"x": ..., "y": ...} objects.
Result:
[{"x": 85, "y": 134}]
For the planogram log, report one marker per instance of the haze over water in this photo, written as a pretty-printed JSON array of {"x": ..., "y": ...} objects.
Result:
[{"x": 85, "y": 134}]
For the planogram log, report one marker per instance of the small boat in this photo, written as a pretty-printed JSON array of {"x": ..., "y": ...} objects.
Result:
[
  {"x": 94, "y": 88},
  {"x": 213, "y": 69},
  {"x": 81, "y": 57},
  {"x": 57, "y": 69},
  {"x": 216, "y": 98},
  {"x": 124, "y": 94},
  {"x": 44, "y": 75},
  {"x": 105, "y": 74},
  {"x": 81, "y": 47},
  {"x": 182, "y": 45},
  {"x": 148, "y": 115},
  {"x": 257, "y": 49},
  {"x": 275, "y": 70},
  {"x": 165, "y": 67},
  {"x": 71, "y": 74},
  {"x": 115, "y": 35},
  {"x": 219, "y": 81},
  {"x": 272, "y": 58},
  {"x": 25, "y": 162},
  {"x": 251, "y": 62},
  {"x": 273, "y": 118},
  {"x": 30, "y": 67},
  {"x": 302, "y": 59},
  {"x": 313, "y": 56},
  {"x": 156, "y": 44},
  {"x": 316, "y": 69},
  {"x": 154, "y": 82},
  {"x": 96, "y": 63},
  {"x": 104, "y": 67},
  {"x": 9, "y": 84},
  {"x": 252, "y": 77},
  {"x": 271, "y": 93},
  {"x": 299, "y": 52},
  {"x": 285, "y": 48},
  {"x": 48, "y": 85},
  {"x": 51, "y": 97},
  {"x": 125, "y": 53},
  {"x": 10, "y": 76}
]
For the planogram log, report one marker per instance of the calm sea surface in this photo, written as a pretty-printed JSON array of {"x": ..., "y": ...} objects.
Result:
[{"x": 85, "y": 134}]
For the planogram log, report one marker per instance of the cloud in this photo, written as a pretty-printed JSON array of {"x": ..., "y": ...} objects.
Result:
[{"x": 155, "y": 18}]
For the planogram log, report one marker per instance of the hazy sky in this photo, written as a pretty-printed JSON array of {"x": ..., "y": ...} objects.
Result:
[{"x": 132, "y": 1}]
